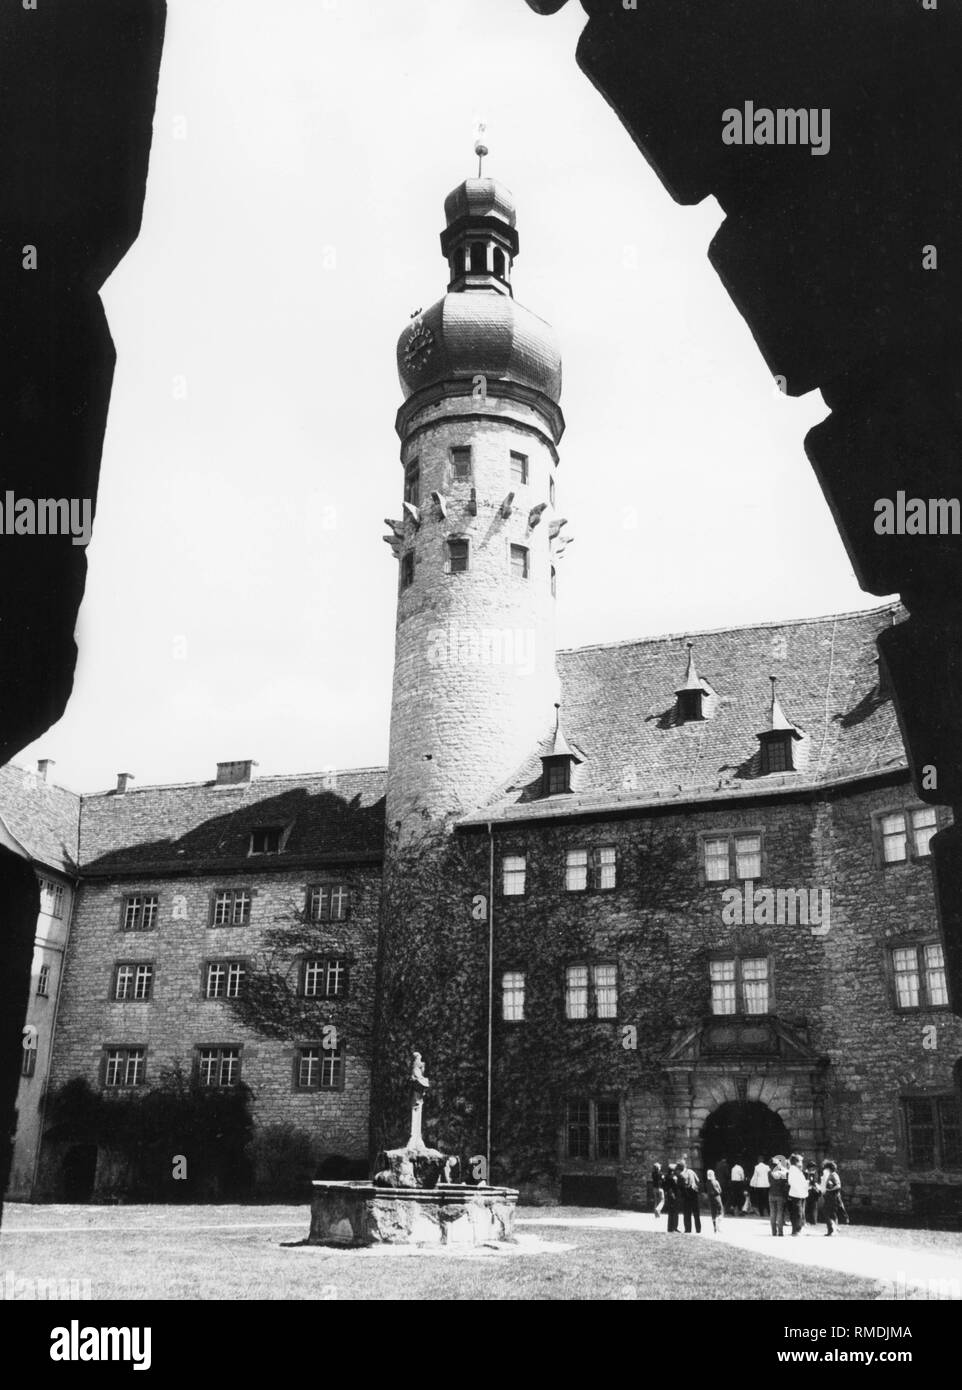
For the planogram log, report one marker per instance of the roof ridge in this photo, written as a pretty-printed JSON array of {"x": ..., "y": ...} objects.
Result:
[
  {"x": 739, "y": 627},
  {"x": 41, "y": 781},
  {"x": 233, "y": 786}
]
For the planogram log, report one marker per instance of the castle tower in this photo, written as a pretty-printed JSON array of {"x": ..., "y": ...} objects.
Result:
[{"x": 477, "y": 527}]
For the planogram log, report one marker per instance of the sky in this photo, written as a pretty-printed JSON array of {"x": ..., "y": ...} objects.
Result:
[{"x": 240, "y": 599}]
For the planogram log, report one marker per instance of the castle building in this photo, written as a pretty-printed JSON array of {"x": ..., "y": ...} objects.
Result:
[{"x": 630, "y": 901}]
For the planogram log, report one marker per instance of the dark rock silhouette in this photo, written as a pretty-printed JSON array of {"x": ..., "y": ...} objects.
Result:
[
  {"x": 825, "y": 256},
  {"x": 77, "y": 90}
]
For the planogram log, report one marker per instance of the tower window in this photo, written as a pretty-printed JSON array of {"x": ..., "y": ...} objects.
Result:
[
  {"x": 479, "y": 258},
  {"x": 551, "y": 491},
  {"x": 519, "y": 467},
  {"x": 43, "y": 983},
  {"x": 554, "y": 582},
  {"x": 461, "y": 463},
  {"x": 519, "y": 561},
  {"x": 459, "y": 262},
  {"x": 412, "y": 482},
  {"x": 457, "y": 556},
  {"x": 499, "y": 263},
  {"x": 407, "y": 570}
]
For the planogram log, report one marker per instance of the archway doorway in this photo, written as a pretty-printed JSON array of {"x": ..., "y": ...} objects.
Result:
[
  {"x": 79, "y": 1172},
  {"x": 740, "y": 1131}
]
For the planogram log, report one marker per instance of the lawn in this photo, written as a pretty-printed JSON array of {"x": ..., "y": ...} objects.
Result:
[{"x": 136, "y": 1252}]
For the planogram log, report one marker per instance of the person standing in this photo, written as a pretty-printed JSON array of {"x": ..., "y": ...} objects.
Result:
[
  {"x": 673, "y": 1195},
  {"x": 738, "y": 1188},
  {"x": 759, "y": 1186},
  {"x": 690, "y": 1186},
  {"x": 832, "y": 1195},
  {"x": 778, "y": 1194},
  {"x": 797, "y": 1193},
  {"x": 814, "y": 1192},
  {"x": 658, "y": 1189},
  {"x": 714, "y": 1189},
  {"x": 723, "y": 1172}
]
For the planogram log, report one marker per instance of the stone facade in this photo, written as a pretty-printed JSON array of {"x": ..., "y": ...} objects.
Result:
[
  {"x": 178, "y": 1019},
  {"x": 833, "y": 1057}
]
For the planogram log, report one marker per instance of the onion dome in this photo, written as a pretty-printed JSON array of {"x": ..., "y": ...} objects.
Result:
[{"x": 478, "y": 328}]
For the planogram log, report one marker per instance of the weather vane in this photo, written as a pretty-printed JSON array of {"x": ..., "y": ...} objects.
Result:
[{"x": 480, "y": 148}]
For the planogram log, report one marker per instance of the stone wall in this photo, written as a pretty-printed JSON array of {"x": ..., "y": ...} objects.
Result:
[
  {"x": 178, "y": 1018},
  {"x": 848, "y": 1054}
]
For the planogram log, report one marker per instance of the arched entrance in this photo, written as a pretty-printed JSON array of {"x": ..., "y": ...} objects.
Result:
[
  {"x": 79, "y": 1172},
  {"x": 740, "y": 1131}
]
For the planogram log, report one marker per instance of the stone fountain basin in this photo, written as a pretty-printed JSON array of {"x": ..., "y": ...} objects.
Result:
[{"x": 358, "y": 1213}]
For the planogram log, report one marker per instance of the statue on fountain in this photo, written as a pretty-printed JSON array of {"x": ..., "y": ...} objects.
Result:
[{"x": 415, "y": 1165}]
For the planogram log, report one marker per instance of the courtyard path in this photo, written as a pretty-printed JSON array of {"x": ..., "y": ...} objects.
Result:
[
  {"x": 903, "y": 1267},
  {"x": 902, "y": 1271}
]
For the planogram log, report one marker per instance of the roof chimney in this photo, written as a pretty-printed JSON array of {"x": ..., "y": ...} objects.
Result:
[
  {"x": 234, "y": 774},
  {"x": 122, "y": 779},
  {"x": 42, "y": 765}
]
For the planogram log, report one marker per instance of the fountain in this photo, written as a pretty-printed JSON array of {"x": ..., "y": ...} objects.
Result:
[{"x": 412, "y": 1198}]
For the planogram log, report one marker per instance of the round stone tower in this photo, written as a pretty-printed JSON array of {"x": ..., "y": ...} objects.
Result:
[{"x": 477, "y": 527}]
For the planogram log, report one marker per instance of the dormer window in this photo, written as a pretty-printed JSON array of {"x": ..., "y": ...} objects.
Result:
[
  {"x": 266, "y": 839},
  {"x": 557, "y": 775},
  {"x": 690, "y": 695},
  {"x": 777, "y": 742},
  {"x": 557, "y": 762},
  {"x": 776, "y": 749},
  {"x": 689, "y": 704}
]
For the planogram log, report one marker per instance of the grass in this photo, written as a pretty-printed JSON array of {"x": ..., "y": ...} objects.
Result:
[{"x": 140, "y": 1252}]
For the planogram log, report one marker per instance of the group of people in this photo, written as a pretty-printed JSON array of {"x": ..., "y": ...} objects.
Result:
[{"x": 785, "y": 1187}]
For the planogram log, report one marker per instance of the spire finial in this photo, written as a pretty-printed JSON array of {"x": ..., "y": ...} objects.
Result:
[{"x": 480, "y": 148}]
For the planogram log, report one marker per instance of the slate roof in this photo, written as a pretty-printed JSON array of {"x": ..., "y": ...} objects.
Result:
[
  {"x": 42, "y": 817},
  {"x": 619, "y": 714},
  {"x": 619, "y": 708},
  {"x": 337, "y": 817}
]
